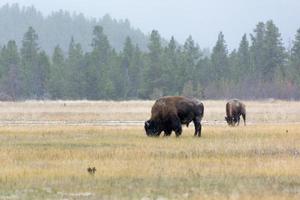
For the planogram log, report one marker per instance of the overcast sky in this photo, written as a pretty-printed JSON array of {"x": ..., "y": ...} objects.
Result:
[{"x": 200, "y": 18}]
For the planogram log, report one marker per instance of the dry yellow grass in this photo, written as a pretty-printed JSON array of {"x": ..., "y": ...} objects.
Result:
[{"x": 259, "y": 161}]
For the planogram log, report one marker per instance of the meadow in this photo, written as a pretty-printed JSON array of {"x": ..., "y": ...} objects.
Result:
[{"x": 46, "y": 148}]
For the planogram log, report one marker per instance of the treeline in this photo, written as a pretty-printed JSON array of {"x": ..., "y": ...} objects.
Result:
[
  {"x": 260, "y": 68},
  {"x": 60, "y": 26}
]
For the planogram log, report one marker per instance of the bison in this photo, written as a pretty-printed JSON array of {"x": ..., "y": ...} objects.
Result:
[
  {"x": 234, "y": 109},
  {"x": 168, "y": 113}
]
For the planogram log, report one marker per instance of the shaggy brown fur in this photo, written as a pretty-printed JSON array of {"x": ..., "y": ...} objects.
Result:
[
  {"x": 168, "y": 113},
  {"x": 234, "y": 109}
]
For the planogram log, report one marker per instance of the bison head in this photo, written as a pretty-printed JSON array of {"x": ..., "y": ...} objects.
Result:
[
  {"x": 152, "y": 128},
  {"x": 229, "y": 121}
]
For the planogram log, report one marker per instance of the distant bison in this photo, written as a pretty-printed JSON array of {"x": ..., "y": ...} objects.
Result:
[
  {"x": 168, "y": 113},
  {"x": 234, "y": 109}
]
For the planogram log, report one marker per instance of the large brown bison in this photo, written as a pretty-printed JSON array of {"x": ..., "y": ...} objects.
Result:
[
  {"x": 234, "y": 109},
  {"x": 168, "y": 113}
]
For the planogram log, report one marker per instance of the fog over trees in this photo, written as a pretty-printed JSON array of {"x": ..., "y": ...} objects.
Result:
[
  {"x": 261, "y": 66},
  {"x": 60, "y": 26}
]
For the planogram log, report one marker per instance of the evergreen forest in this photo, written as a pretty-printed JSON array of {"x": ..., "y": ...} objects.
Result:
[{"x": 104, "y": 68}]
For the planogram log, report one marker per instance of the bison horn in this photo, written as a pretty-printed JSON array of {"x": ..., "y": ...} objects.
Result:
[{"x": 147, "y": 123}]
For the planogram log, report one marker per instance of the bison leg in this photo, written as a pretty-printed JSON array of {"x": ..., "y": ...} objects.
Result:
[
  {"x": 168, "y": 132},
  {"x": 158, "y": 134},
  {"x": 244, "y": 118},
  {"x": 178, "y": 131},
  {"x": 238, "y": 120},
  {"x": 198, "y": 126},
  {"x": 176, "y": 126}
]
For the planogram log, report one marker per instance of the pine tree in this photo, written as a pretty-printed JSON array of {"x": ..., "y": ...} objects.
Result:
[
  {"x": 153, "y": 71},
  {"x": 274, "y": 52},
  {"x": 131, "y": 68},
  {"x": 10, "y": 74},
  {"x": 235, "y": 69},
  {"x": 191, "y": 56},
  {"x": 171, "y": 69},
  {"x": 219, "y": 59},
  {"x": 136, "y": 72},
  {"x": 75, "y": 72},
  {"x": 115, "y": 77},
  {"x": 57, "y": 82},
  {"x": 295, "y": 57},
  {"x": 126, "y": 67},
  {"x": 101, "y": 46},
  {"x": 257, "y": 50},
  {"x": 29, "y": 59},
  {"x": 41, "y": 76},
  {"x": 243, "y": 56},
  {"x": 99, "y": 85}
]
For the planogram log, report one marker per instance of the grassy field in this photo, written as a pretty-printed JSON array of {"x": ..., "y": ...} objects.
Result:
[{"x": 259, "y": 161}]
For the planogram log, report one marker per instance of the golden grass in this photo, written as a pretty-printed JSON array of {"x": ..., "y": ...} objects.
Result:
[
  {"x": 259, "y": 161},
  {"x": 50, "y": 162}
]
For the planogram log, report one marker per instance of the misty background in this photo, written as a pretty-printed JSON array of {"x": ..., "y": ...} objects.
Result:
[{"x": 199, "y": 18}]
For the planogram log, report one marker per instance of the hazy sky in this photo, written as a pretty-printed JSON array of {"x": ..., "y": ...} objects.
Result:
[{"x": 200, "y": 18}]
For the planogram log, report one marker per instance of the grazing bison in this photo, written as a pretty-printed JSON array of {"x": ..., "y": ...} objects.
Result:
[
  {"x": 234, "y": 109},
  {"x": 168, "y": 113}
]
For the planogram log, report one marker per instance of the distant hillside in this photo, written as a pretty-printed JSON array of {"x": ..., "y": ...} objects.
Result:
[{"x": 59, "y": 27}]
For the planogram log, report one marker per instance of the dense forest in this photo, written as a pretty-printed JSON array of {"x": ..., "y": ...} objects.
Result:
[{"x": 259, "y": 68}]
